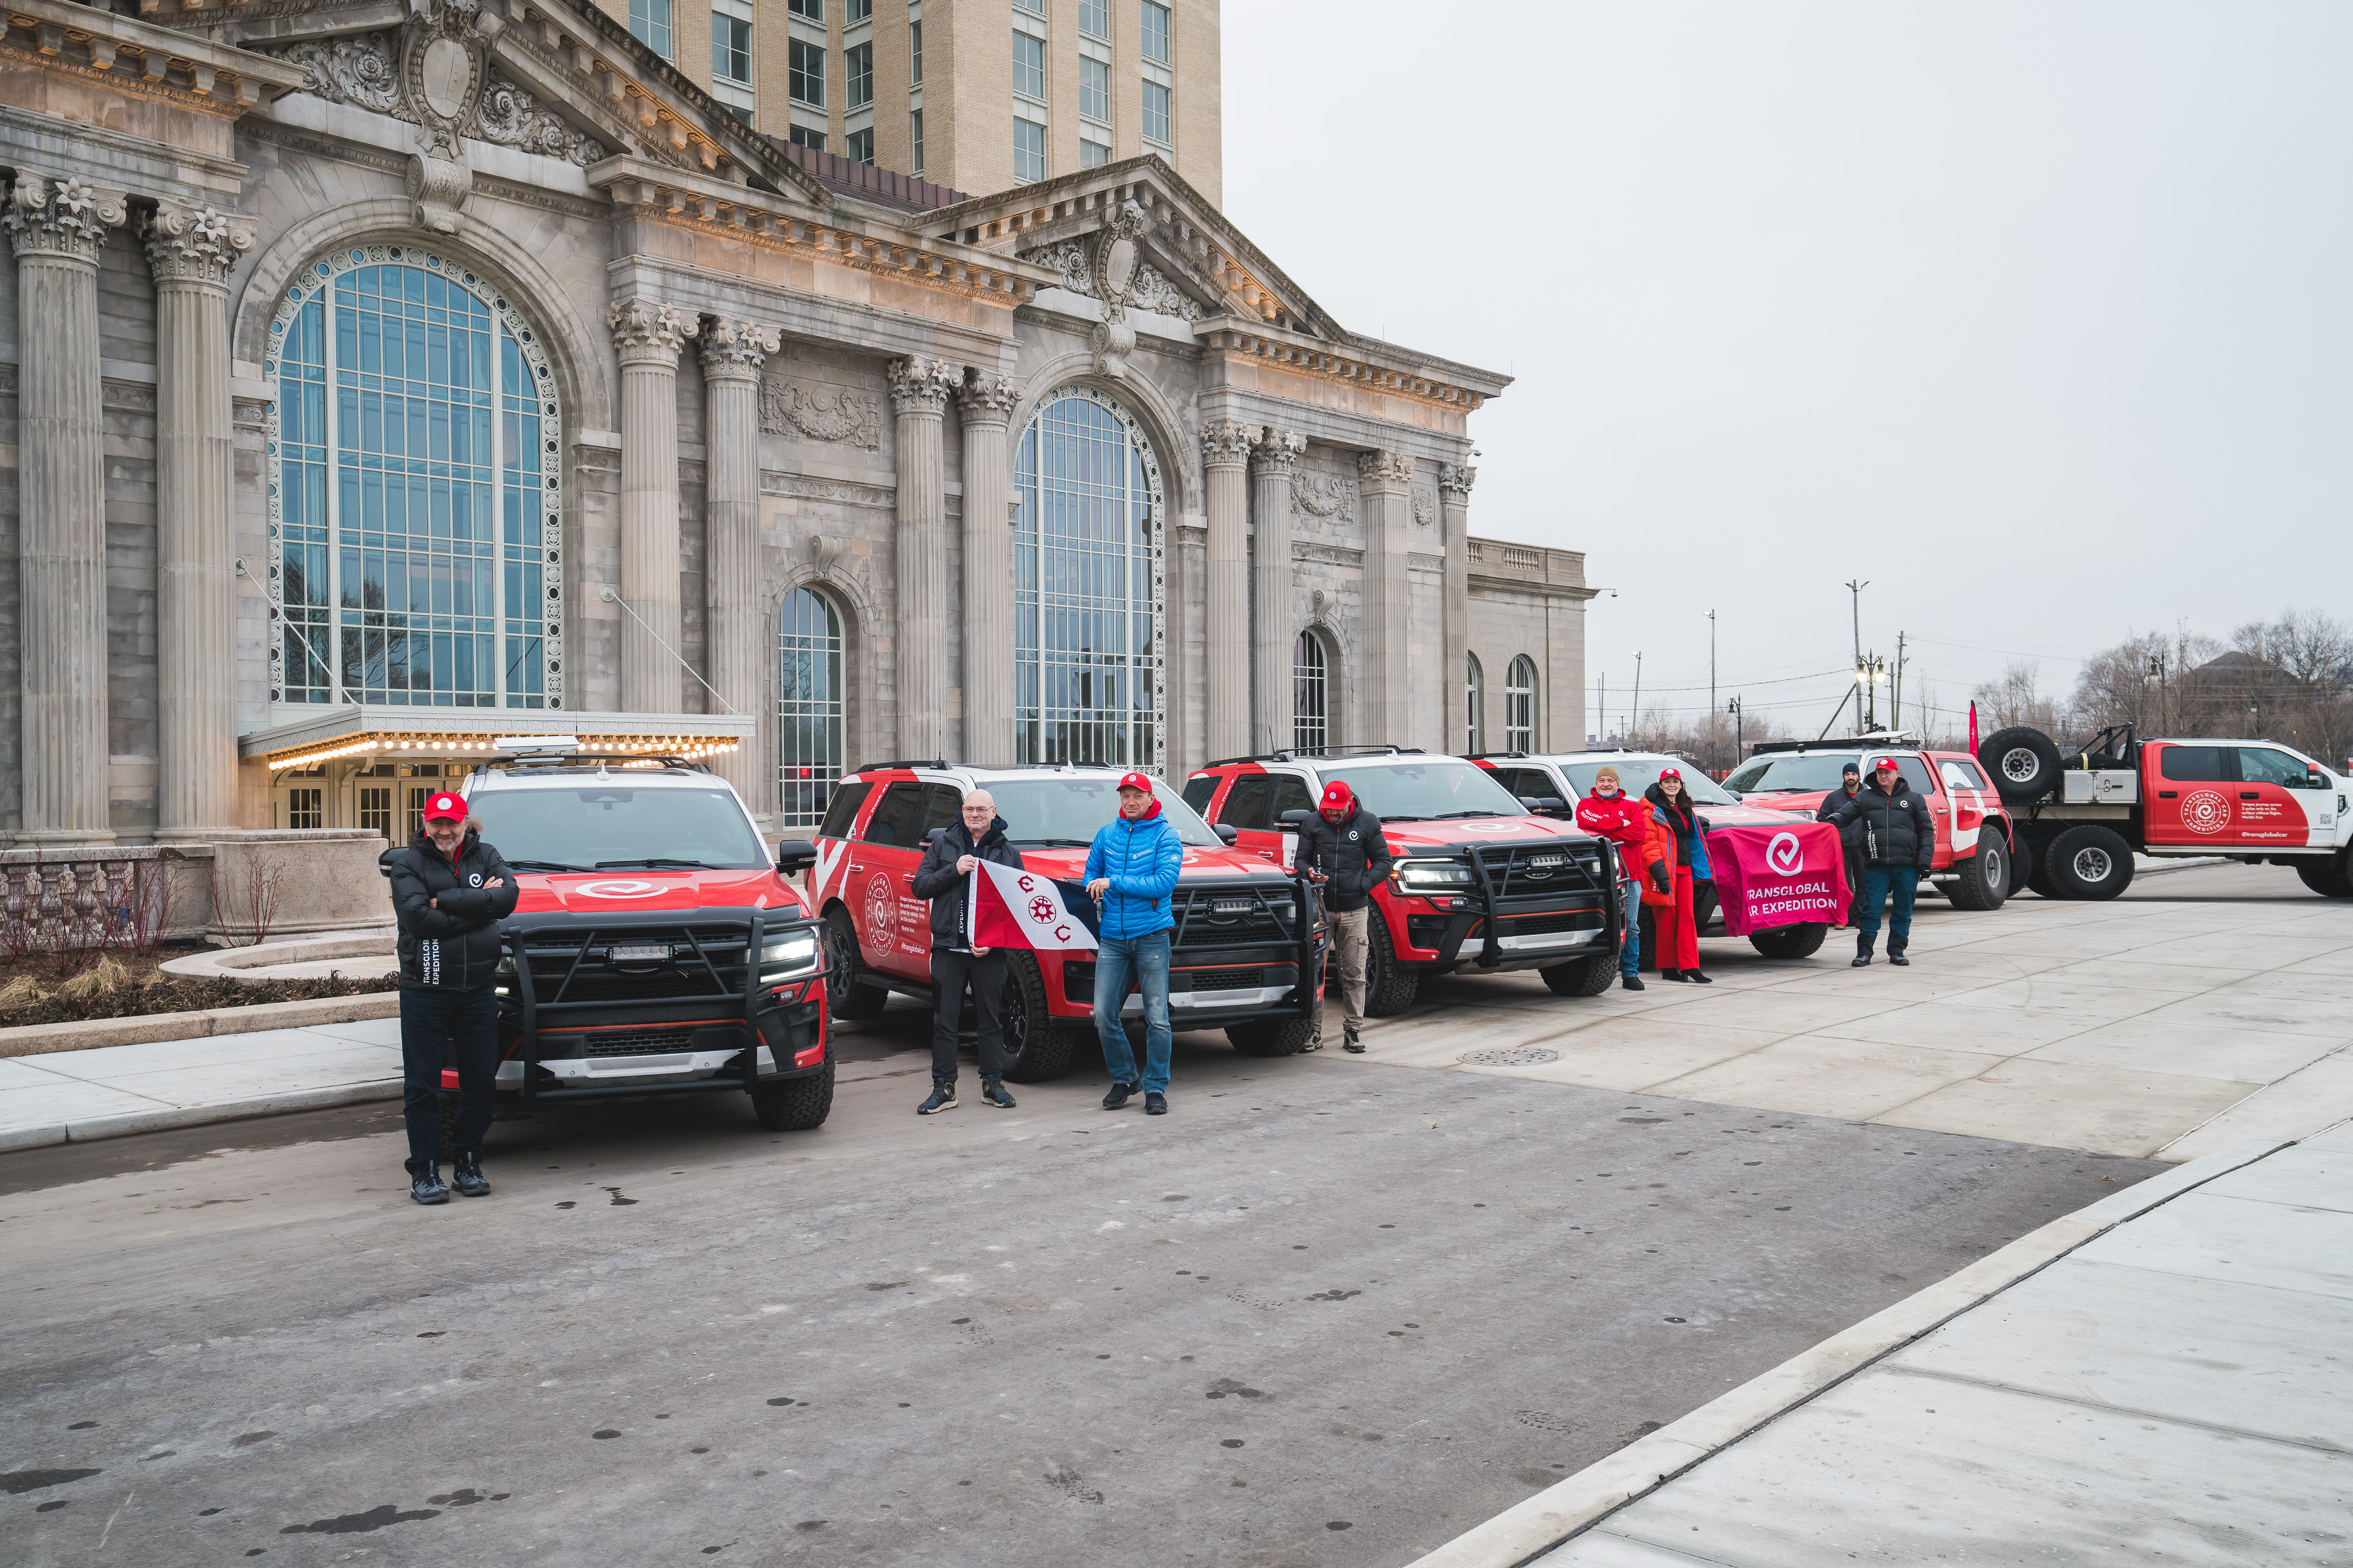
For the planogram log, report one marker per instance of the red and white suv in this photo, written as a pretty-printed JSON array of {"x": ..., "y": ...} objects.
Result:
[
  {"x": 1478, "y": 880},
  {"x": 1974, "y": 828}
]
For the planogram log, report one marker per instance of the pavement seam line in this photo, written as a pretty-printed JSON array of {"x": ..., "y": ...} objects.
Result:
[
  {"x": 2046, "y": 1395},
  {"x": 2235, "y": 1104},
  {"x": 1684, "y": 1552}
]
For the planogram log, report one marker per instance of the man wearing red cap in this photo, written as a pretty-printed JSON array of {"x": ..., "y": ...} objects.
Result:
[
  {"x": 450, "y": 890},
  {"x": 1899, "y": 844},
  {"x": 1132, "y": 870},
  {"x": 1343, "y": 852}
]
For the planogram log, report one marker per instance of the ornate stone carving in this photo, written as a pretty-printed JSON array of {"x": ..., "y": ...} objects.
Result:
[
  {"x": 1069, "y": 258},
  {"x": 1456, "y": 480},
  {"x": 1118, "y": 253},
  {"x": 510, "y": 116},
  {"x": 128, "y": 396},
  {"x": 1324, "y": 495},
  {"x": 199, "y": 244},
  {"x": 988, "y": 399},
  {"x": 1277, "y": 451},
  {"x": 821, "y": 413},
  {"x": 67, "y": 217},
  {"x": 649, "y": 332},
  {"x": 825, "y": 552},
  {"x": 921, "y": 385},
  {"x": 1425, "y": 507},
  {"x": 1384, "y": 471},
  {"x": 800, "y": 486},
  {"x": 732, "y": 347},
  {"x": 1154, "y": 292},
  {"x": 1150, "y": 291},
  {"x": 1225, "y": 443},
  {"x": 251, "y": 413},
  {"x": 350, "y": 70},
  {"x": 439, "y": 189}
]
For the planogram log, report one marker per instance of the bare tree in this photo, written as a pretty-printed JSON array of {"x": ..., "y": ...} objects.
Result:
[
  {"x": 256, "y": 883},
  {"x": 2016, "y": 699}
]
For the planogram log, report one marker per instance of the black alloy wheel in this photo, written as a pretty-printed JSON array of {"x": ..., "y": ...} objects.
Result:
[
  {"x": 1036, "y": 1047},
  {"x": 848, "y": 992},
  {"x": 2089, "y": 861}
]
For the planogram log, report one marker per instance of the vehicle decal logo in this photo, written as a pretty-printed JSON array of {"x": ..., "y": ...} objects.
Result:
[
  {"x": 1785, "y": 855},
  {"x": 618, "y": 890},
  {"x": 881, "y": 911},
  {"x": 2206, "y": 811},
  {"x": 829, "y": 857}
]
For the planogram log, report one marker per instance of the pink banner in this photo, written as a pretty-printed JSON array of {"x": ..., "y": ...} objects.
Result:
[{"x": 1767, "y": 877}]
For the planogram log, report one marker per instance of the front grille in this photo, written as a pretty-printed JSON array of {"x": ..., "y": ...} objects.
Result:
[
  {"x": 1546, "y": 925},
  {"x": 1519, "y": 871},
  {"x": 631, "y": 1043},
  {"x": 1232, "y": 916},
  {"x": 1229, "y": 979},
  {"x": 583, "y": 970}
]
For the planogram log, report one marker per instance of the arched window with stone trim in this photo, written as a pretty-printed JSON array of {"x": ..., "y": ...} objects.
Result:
[
  {"x": 1520, "y": 706},
  {"x": 1474, "y": 689},
  {"x": 415, "y": 497},
  {"x": 1311, "y": 694},
  {"x": 810, "y": 706},
  {"x": 1089, "y": 665}
]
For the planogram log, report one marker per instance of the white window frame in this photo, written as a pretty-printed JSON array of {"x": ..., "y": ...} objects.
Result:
[
  {"x": 659, "y": 24},
  {"x": 1032, "y": 43},
  {"x": 724, "y": 12},
  {"x": 1091, "y": 67},
  {"x": 1097, "y": 12},
  {"x": 1311, "y": 731},
  {"x": 831, "y": 711},
  {"x": 1028, "y": 142},
  {"x": 804, "y": 48},
  {"x": 1520, "y": 705},
  {"x": 1474, "y": 691},
  {"x": 851, "y": 58},
  {"x": 1167, "y": 115},
  {"x": 1145, "y": 18}
]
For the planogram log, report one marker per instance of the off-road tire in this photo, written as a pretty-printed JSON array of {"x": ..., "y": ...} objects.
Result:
[
  {"x": 848, "y": 992},
  {"x": 1037, "y": 1047},
  {"x": 2089, "y": 861},
  {"x": 797, "y": 1104},
  {"x": 1581, "y": 976},
  {"x": 2024, "y": 855},
  {"x": 2326, "y": 877},
  {"x": 2023, "y": 763},
  {"x": 1389, "y": 986},
  {"x": 1272, "y": 1037},
  {"x": 1982, "y": 881},
  {"x": 1789, "y": 942}
]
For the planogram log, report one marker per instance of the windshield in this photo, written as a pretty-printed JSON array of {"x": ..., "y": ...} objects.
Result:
[
  {"x": 1054, "y": 809},
  {"x": 1635, "y": 777},
  {"x": 588, "y": 825},
  {"x": 1425, "y": 792},
  {"x": 1807, "y": 771}
]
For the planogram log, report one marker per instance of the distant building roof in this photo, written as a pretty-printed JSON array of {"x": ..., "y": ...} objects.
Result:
[{"x": 866, "y": 182}]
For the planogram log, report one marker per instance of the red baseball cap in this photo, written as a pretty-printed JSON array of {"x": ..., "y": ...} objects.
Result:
[
  {"x": 1883, "y": 762},
  {"x": 1135, "y": 781},
  {"x": 1676, "y": 773},
  {"x": 1337, "y": 796},
  {"x": 441, "y": 805}
]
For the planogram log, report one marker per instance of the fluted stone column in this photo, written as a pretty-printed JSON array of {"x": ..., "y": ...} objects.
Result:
[
  {"x": 648, "y": 335},
  {"x": 1225, "y": 621},
  {"x": 190, "y": 253},
  {"x": 57, "y": 228},
  {"x": 987, "y": 402},
  {"x": 918, "y": 393},
  {"x": 741, "y": 644},
  {"x": 1386, "y": 485},
  {"x": 1275, "y": 459},
  {"x": 1454, "y": 483}
]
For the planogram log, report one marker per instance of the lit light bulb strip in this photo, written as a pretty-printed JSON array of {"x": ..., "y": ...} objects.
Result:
[{"x": 685, "y": 747}]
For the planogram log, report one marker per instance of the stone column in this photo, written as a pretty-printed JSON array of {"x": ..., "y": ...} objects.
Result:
[
  {"x": 1225, "y": 619},
  {"x": 1276, "y": 454},
  {"x": 741, "y": 644},
  {"x": 190, "y": 253},
  {"x": 1454, "y": 502},
  {"x": 647, "y": 334},
  {"x": 1386, "y": 485},
  {"x": 58, "y": 228},
  {"x": 919, "y": 393},
  {"x": 987, "y": 403}
]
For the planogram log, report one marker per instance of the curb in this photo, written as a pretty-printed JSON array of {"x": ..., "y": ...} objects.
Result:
[
  {"x": 146, "y": 1029},
  {"x": 165, "y": 1119},
  {"x": 1530, "y": 1529}
]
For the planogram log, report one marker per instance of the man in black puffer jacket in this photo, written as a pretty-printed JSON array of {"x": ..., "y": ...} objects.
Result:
[
  {"x": 1899, "y": 844},
  {"x": 1850, "y": 836},
  {"x": 1344, "y": 853},
  {"x": 450, "y": 890},
  {"x": 950, "y": 862}
]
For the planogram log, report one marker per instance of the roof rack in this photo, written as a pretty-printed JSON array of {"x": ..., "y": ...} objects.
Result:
[
  {"x": 911, "y": 762},
  {"x": 1300, "y": 754},
  {"x": 1490, "y": 756},
  {"x": 1835, "y": 743},
  {"x": 509, "y": 760}
]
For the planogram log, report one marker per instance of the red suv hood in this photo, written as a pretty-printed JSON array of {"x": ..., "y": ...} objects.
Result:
[
  {"x": 633, "y": 891},
  {"x": 1410, "y": 836},
  {"x": 1801, "y": 803}
]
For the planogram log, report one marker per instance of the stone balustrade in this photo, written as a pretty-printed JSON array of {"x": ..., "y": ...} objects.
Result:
[{"x": 291, "y": 882}]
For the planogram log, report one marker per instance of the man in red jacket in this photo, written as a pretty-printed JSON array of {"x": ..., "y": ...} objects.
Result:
[{"x": 1609, "y": 811}]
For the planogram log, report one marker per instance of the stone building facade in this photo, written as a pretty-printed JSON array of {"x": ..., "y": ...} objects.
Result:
[{"x": 378, "y": 382}]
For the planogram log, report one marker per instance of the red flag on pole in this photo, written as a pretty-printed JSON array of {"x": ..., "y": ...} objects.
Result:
[
  {"x": 1023, "y": 909},
  {"x": 1973, "y": 729}
]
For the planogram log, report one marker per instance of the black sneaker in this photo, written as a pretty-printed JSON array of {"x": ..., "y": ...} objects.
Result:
[
  {"x": 943, "y": 1099},
  {"x": 1696, "y": 978},
  {"x": 1155, "y": 1104},
  {"x": 1633, "y": 983},
  {"x": 992, "y": 1092},
  {"x": 425, "y": 1186},
  {"x": 1861, "y": 961},
  {"x": 467, "y": 1176},
  {"x": 1349, "y": 1042},
  {"x": 1119, "y": 1095},
  {"x": 1898, "y": 960}
]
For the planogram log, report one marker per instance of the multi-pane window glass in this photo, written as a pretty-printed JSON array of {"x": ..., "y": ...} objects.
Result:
[
  {"x": 805, "y": 74},
  {"x": 1029, "y": 152},
  {"x": 1155, "y": 114},
  {"x": 1094, "y": 89},
  {"x": 1035, "y": 8},
  {"x": 859, "y": 11},
  {"x": 1473, "y": 689},
  {"x": 375, "y": 807},
  {"x": 1029, "y": 66},
  {"x": 809, "y": 712},
  {"x": 1155, "y": 32},
  {"x": 306, "y": 808},
  {"x": 1311, "y": 695},
  {"x": 860, "y": 145},
  {"x": 649, "y": 25},
  {"x": 731, "y": 48},
  {"x": 412, "y": 498},
  {"x": 914, "y": 54},
  {"x": 1520, "y": 706},
  {"x": 1085, "y": 604},
  {"x": 1092, "y": 154},
  {"x": 802, "y": 136},
  {"x": 915, "y": 128},
  {"x": 1094, "y": 18},
  {"x": 809, "y": 10},
  {"x": 858, "y": 68}
]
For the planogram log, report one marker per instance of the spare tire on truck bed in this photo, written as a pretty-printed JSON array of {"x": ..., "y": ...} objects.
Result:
[{"x": 2023, "y": 763}]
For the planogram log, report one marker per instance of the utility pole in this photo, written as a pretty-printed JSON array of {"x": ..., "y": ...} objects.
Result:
[
  {"x": 1856, "y": 589},
  {"x": 1737, "y": 745},
  {"x": 1899, "y": 688},
  {"x": 1711, "y": 680},
  {"x": 1604, "y": 705},
  {"x": 1634, "y": 714}
]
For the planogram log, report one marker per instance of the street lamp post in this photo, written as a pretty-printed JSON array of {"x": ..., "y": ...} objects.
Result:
[
  {"x": 1737, "y": 747},
  {"x": 1711, "y": 673},
  {"x": 1634, "y": 714}
]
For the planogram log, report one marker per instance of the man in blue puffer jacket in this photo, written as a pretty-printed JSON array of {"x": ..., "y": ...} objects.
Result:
[{"x": 1132, "y": 870}]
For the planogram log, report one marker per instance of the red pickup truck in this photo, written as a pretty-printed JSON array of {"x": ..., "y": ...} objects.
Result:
[{"x": 1976, "y": 837}]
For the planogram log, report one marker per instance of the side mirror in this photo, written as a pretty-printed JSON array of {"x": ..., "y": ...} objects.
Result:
[
  {"x": 794, "y": 855},
  {"x": 1297, "y": 821},
  {"x": 1545, "y": 805},
  {"x": 1227, "y": 831}
]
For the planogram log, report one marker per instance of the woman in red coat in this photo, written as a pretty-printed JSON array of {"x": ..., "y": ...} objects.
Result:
[{"x": 1675, "y": 820}]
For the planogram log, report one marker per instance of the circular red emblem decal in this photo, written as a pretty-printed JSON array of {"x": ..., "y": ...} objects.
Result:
[
  {"x": 2206, "y": 811},
  {"x": 1042, "y": 910},
  {"x": 881, "y": 909}
]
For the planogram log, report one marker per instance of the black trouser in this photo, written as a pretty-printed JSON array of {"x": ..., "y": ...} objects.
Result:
[
  {"x": 431, "y": 1023},
  {"x": 950, "y": 973}
]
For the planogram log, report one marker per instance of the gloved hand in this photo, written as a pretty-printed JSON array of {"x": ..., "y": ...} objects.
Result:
[{"x": 1659, "y": 878}]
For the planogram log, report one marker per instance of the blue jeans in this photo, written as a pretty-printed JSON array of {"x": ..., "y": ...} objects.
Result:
[
  {"x": 1876, "y": 882},
  {"x": 1145, "y": 961},
  {"x": 1630, "y": 904},
  {"x": 431, "y": 1022}
]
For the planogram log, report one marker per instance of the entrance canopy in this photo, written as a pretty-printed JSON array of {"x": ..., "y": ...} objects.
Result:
[{"x": 394, "y": 732}]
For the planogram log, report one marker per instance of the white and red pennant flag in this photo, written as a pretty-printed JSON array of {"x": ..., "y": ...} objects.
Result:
[{"x": 1021, "y": 909}]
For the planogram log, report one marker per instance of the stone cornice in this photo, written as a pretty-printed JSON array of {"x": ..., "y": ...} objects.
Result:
[
  {"x": 1424, "y": 380},
  {"x": 139, "y": 58}
]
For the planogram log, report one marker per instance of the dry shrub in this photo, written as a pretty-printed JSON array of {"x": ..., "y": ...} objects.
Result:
[
  {"x": 24, "y": 1001},
  {"x": 103, "y": 978},
  {"x": 21, "y": 992}
]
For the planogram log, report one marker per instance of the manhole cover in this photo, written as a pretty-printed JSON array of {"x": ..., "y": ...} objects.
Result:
[{"x": 1510, "y": 1057}]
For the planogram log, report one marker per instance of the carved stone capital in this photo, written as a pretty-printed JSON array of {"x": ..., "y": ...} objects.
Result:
[
  {"x": 1456, "y": 480},
  {"x": 735, "y": 349},
  {"x": 1277, "y": 451},
  {"x": 919, "y": 385},
  {"x": 194, "y": 244},
  {"x": 647, "y": 331},
  {"x": 1384, "y": 471},
  {"x": 1225, "y": 443},
  {"x": 66, "y": 218},
  {"x": 439, "y": 188},
  {"x": 988, "y": 399}
]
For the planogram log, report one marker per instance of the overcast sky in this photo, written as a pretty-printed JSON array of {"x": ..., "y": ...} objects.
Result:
[{"x": 2035, "y": 316}]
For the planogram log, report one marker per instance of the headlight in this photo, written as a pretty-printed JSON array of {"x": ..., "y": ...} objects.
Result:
[
  {"x": 505, "y": 968},
  {"x": 1433, "y": 876},
  {"x": 789, "y": 955}
]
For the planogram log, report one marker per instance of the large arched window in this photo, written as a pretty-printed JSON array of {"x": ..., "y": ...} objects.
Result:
[
  {"x": 1475, "y": 688},
  {"x": 414, "y": 505},
  {"x": 1311, "y": 695},
  {"x": 808, "y": 705},
  {"x": 1087, "y": 575},
  {"x": 1520, "y": 706}
]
